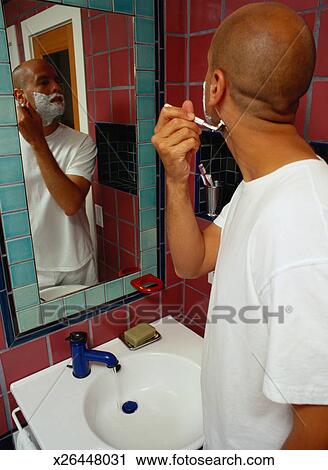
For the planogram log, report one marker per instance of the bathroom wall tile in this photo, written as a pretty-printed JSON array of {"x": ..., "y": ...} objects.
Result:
[
  {"x": 95, "y": 296},
  {"x": 145, "y": 131},
  {"x": 52, "y": 311},
  {"x": 7, "y": 111},
  {"x": 128, "y": 289},
  {"x": 199, "y": 46},
  {"x": 126, "y": 236},
  {"x": 99, "y": 34},
  {"x": 149, "y": 258},
  {"x": 147, "y": 176},
  {"x": 3, "y": 47},
  {"x": 204, "y": 17},
  {"x": 147, "y": 309},
  {"x": 201, "y": 284},
  {"x": 2, "y": 23},
  {"x": 24, "y": 360},
  {"x": 175, "y": 63},
  {"x": 145, "y": 57},
  {"x": 101, "y": 70},
  {"x": 114, "y": 289},
  {"x": 5, "y": 79},
  {"x": 125, "y": 206},
  {"x": 153, "y": 271},
  {"x": 196, "y": 96},
  {"x": 310, "y": 19},
  {"x": 124, "y": 6},
  {"x": 102, "y": 106},
  {"x": 171, "y": 277},
  {"x": 144, "y": 30},
  {"x": 10, "y": 168},
  {"x": 232, "y": 5},
  {"x": 109, "y": 325},
  {"x": 80, "y": 3},
  {"x": 146, "y": 107},
  {"x": 27, "y": 296},
  {"x": 145, "y": 7},
  {"x": 318, "y": 129},
  {"x": 15, "y": 224},
  {"x": 109, "y": 200},
  {"x": 111, "y": 255},
  {"x": 19, "y": 414},
  {"x": 146, "y": 154},
  {"x": 147, "y": 198},
  {"x": 298, "y": 5},
  {"x": 148, "y": 219},
  {"x": 19, "y": 249},
  {"x": 74, "y": 303},
  {"x": 195, "y": 310},
  {"x": 101, "y": 4},
  {"x": 12, "y": 198},
  {"x": 22, "y": 274},
  {"x": 60, "y": 347},
  {"x": 110, "y": 229},
  {"x": 118, "y": 31},
  {"x": 300, "y": 116},
  {"x": 3, "y": 420},
  {"x": 172, "y": 301},
  {"x": 145, "y": 83},
  {"x": 9, "y": 141},
  {"x": 148, "y": 239},
  {"x": 127, "y": 261},
  {"x": 3, "y": 344},
  {"x": 176, "y": 16},
  {"x": 29, "y": 318},
  {"x": 322, "y": 56},
  {"x": 119, "y": 68},
  {"x": 121, "y": 106},
  {"x": 176, "y": 94}
]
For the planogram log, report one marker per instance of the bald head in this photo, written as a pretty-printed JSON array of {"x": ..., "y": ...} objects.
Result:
[
  {"x": 267, "y": 54},
  {"x": 25, "y": 72}
]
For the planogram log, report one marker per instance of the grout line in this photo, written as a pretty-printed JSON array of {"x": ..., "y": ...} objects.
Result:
[
  {"x": 188, "y": 49},
  {"x": 222, "y": 10},
  {"x": 50, "y": 358}
]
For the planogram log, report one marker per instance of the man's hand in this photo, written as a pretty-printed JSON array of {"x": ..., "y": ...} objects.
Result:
[
  {"x": 176, "y": 139},
  {"x": 30, "y": 124}
]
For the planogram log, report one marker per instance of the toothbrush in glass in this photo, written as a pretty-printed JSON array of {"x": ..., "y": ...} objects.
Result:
[
  {"x": 202, "y": 122},
  {"x": 207, "y": 178}
]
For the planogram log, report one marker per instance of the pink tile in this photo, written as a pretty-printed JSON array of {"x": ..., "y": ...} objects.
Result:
[
  {"x": 172, "y": 301},
  {"x": 111, "y": 255},
  {"x": 300, "y": 116},
  {"x": 145, "y": 310},
  {"x": 86, "y": 31},
  {"x": 318, "y": 129},
  {"x": 118, "y": 27},
  {"x": 60, "y": 348},
  {"x": 100, "y": 247},
  {"x": 11, "y": 12},
  {"x": 89, "y": 73},
  {"x": 196, "y": 96},
  {"x": 109, "y": 200},
  {"x": 125, "y": 206},
  {"x": 91, "y": 106},
  {"x": 2, "y": 336},
  {"x": 110, "y": 229},
  {"x": 175, "y": 59},
  {"x": 201, "y": 284},
  {"x": 126, "y": 236},
  {"x": 195, "y": 310},
  {"x": 176, "y": 94},
  {"x": 171, "y": 277},
  {"x": 309, "y": 19},
  {"x": 97, "y": 193},
  {"x": 101, "y": 70},
  {"x": 176, "y": 16},
  {"x": 13, "y": 405},
  {"x": 102, "y": 106},
  {"x": 24, "y": 360},
  {"x": 121, "y": 106},
  {"x": 119, "y": 68},
  {"x": 199, "y": 46},
  {"x": 205, "y": 16},
  {"x": 132, "y": 71},
  {"x": 3, "y": 420},
  {"x": 127, "y": 260},
  {"x": 322, "y": 56},
  {"x": 133, "y": 105},
  {"x": 99, "y": 34},
  {"x": 298, "y": 5},
  {"x": 109, "y": 325}
]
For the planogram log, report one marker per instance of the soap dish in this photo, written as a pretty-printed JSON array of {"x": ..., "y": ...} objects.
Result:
[{"x": 134, "y": 348}]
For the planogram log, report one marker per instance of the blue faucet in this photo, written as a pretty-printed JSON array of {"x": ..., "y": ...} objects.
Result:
[{"x": 81, "y": 355}]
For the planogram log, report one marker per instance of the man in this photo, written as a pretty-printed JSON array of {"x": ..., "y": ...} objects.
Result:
[
  {"x": 58, "y": 165},
  {"x": 264, "y": 371}
]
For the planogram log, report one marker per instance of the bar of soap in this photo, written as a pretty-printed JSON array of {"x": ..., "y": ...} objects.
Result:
[{"x": 139, "y": 334}]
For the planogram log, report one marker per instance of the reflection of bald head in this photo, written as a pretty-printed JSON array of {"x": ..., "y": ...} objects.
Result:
[
  {"x": 27, "y": 70},
  {"x": 267, "y": 52}
]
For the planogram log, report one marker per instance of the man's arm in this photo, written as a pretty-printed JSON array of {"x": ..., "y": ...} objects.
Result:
[
  {"x": 176, "y": 138},
  {"x": 68, "y": 191},
  {"x": 310, "y": 429}
]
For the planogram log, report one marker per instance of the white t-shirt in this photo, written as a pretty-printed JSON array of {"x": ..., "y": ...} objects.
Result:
[
  {"x": 273, "y": 252},
  {"x": 61, "y": 242}
]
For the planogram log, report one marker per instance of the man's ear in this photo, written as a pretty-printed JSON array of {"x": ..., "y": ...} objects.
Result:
[
  {"x": 19, "y": 96},
  {"x": 217, "y": 88}
]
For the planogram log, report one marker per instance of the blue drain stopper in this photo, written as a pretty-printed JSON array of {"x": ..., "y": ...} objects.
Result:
[{"x": 129, "y": 407}]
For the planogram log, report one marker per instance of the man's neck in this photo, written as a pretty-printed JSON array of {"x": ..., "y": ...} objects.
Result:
[
  {"x": 47, "y": 130},
  {"x": 262, "y": 149}
]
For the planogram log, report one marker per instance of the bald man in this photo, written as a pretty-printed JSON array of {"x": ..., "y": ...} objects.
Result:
[
  {"x": 264, "y": 370},
  {"x": 58, "y": 165}
]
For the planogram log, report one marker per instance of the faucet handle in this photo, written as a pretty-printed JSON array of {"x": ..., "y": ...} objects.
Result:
[{"x": 76, "y": 337}]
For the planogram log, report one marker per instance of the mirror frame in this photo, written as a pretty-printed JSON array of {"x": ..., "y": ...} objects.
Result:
[{"x": 24, "y": 316}]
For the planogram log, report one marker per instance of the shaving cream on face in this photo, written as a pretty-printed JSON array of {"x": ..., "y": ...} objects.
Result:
[{"x": 47, "y": 109}]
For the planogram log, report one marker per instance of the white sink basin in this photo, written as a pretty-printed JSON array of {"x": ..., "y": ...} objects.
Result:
[{"x": 163, "y": 378}]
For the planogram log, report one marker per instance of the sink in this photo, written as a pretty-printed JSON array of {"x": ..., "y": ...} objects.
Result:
[{"x": 163, "y": 379}]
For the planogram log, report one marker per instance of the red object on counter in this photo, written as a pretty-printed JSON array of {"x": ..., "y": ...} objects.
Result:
[{"x": 142, "y": 284}]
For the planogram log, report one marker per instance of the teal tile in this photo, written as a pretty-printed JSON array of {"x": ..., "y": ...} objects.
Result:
[
  {"x": 148, "y": 258},
  {"x": 146, "y": 108},
  {"x": 2, "y": 23},
  {"x": 12, "y": 198},
  {"x": 153, "y": 270},
  {"x": 145, "y": 82},
  {"x": 29, "y": 318},
  {"x": 147, "y": 198},
  {"x": 145, "y": 30},
  {"x": 147, "y": 219},
  {"x": 5, "y": 79},
  {"x": 74, "y": 303},
  {"x": 27, "y": 296},
  {"x": 127, "y": 286},
  {"x": 19, "y": 249},
  {"x": 16, "y": 224},
  {"x": 106, "y": 5},
  {"x": 146, "y": 154},
  {"x": 3, "y": 47},
  {"x": 114, "y": 289},
  {"x": 147, "y": 176},
  {"x": 95, "y": 296},
  {"x": 9, "y": 141},
  {"x": 145, "y": 57},
  {"x": 145, "y": 130},
  {"x": 7, "y": 111},
  {"x": 145, "y": 7},
  {"x": 52, "y": 311},
  {"x": 11, "y": 170},
  {"x": 124, "y": 6},
  {"x": 80, "y": 3},
  {"x": 22, "y": 274},
  {"x": 148, "y": 239}
]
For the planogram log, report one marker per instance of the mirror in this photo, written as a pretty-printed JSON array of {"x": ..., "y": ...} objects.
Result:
[{"x": 81, "y": 178}]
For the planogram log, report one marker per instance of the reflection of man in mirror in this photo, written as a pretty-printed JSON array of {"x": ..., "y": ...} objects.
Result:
[{"x": 58, "y": 166}]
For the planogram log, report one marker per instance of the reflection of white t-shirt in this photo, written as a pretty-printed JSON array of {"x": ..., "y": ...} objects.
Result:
[
  {"x": 61, "y": 242},
  {"x": 273, "y": 252}
]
